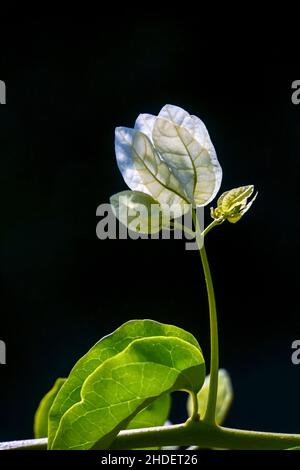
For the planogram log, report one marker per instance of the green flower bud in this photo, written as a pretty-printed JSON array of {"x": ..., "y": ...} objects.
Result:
[{"x": 233, "y": 204}]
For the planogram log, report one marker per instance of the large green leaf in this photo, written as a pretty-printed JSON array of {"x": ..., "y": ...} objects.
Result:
[
  {"x": 224, "y": 397},
  {"x": 80, "y": 380},
  {"x": 123, "y": 385},
  {"x": 155, "y": 414},
  {"x": 184, "y": 144},
  {"x": 42, "y": 412}
]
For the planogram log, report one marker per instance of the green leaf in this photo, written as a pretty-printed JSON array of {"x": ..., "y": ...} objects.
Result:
[
  {"x": 184, "y": 144},
  {"x": 42, "y": 412},
  {"x": 224, "y": 397},
  {"x": 150, "y": 345},
  {"x": 233, "y": 204},
  {"x": 138, "y": 211},
  {"x": 123, "y": 385}
]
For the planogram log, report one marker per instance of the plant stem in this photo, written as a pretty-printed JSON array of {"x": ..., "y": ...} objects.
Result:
[
  {"x": 204, "y": 436},
  {"x": 200, "y": 434},
  {"x": 177, "y": 225},
  {"x": 27, "y": 444},
  {"x": 210, "y": 226},
  {"x": 210, "y": 413},
  {"x": 195, "y": 415}
]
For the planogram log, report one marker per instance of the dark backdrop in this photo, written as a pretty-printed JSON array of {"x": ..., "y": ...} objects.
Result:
[{"x": 68, "y": 85}]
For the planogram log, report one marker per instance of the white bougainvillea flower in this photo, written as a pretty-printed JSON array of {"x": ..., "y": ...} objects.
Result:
[
  {"x": 169, "y": 153},
  {"x": 170, "y": 158},
  {"x": 183, "y": 142}
]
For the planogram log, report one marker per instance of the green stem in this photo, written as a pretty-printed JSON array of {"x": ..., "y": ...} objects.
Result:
[
  {"x": 200, "y": 434},
  {"x": 210, "y": 414},
  {"x": 210, "y": 226},
  {"x": 204, "y": 436},
  {"x": 195, "y": 415},
  {"x": 184, "y": 228}
]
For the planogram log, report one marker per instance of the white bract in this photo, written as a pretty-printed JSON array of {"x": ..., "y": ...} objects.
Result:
[{"x": 169, "y": 157}]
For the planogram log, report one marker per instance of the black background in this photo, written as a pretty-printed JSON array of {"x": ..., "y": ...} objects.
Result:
[{"x": 69, "y": 84}]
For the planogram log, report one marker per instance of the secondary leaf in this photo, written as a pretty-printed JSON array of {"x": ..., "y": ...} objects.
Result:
[
  {"x": 138, "y": 211},
  {"x": 71, "y": 392},
  {"x": 155, "y": 414},
  {"x": 224, "y": 397},
  {"x": 42, "y": 412}
]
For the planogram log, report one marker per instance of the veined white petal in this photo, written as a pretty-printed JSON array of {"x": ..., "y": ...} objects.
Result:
[
  {"x": 125, "y": 161},
  {"x": 184, "y": 144},
  {"x": 144, "y": 171},
  {"x": 145, "y": 124}
]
